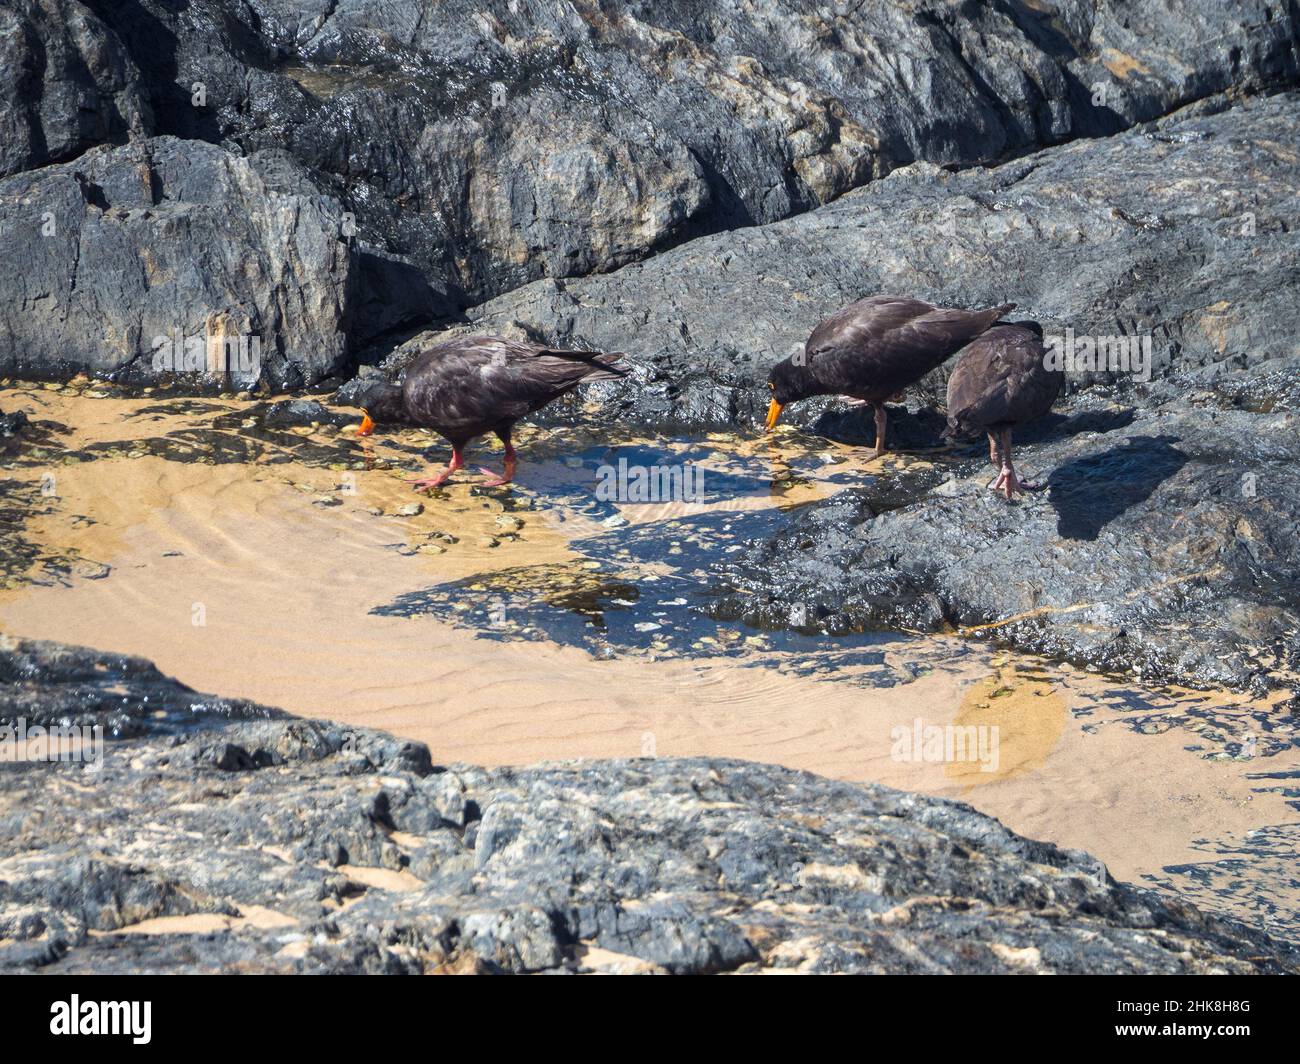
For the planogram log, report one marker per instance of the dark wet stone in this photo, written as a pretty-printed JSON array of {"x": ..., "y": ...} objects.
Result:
[
  {"x": 1163, "y": 547},
  {"x": 657, "y": 122},
  {"x": 692, "y": 865},
  {"x": 297, "y": 412},
  {"x": 13, "y": 423},
  {"x": 51, "y": 684},
  {"x": 426, "y": 129},
  {"x": 67, "y": 83}
]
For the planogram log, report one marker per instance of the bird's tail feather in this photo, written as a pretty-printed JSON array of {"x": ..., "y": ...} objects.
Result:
[{"x": 603, "y": 367}]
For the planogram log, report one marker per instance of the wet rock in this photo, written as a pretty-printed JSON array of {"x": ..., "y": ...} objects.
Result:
[
  {"x": 12, "y": 424},
  {"x": 50, "y": 684},
  {"x": 479, "y": 146},
  {"x": 357, "y": 854},
  {"x": 1162, "y": 547},
  {"x": 1105, "y": 237},
  {"x": 300, "y": 413},
  {"x": 126, "y": 262},
  {"x": 67, "y": 83},
  {"x": 230, "y": 757}
]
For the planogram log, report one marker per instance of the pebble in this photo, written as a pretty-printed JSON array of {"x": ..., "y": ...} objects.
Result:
[
  {"x": 91, "y": 570},
  {"x": 488, "y": 541},
  {"x": 410, "y": 509}
]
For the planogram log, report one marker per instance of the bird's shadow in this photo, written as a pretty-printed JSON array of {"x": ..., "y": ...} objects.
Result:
[
  {"x": 1088, "y": 493},
  {"x": 856, "y": 426},
  {"x": 926, "y": 428},
  {"x": 1053, "y": 425}
]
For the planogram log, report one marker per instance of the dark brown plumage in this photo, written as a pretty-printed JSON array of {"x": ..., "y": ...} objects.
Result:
[
  {"x": 468, "y": 387},
  {"x": 1000, "y": 381},
  {"x": 873, "y": 349}
]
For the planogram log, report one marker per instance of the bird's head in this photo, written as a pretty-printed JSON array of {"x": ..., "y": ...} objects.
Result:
[
  {"x": 380, "y": 402},
  {"x": 788, "y": 382}
]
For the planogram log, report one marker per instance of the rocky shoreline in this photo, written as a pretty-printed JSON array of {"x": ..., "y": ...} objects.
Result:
[
  {"x": 330, "y": 178},
  {"x": 326, "y": 187},
  {"x": 218, "y": 835}
]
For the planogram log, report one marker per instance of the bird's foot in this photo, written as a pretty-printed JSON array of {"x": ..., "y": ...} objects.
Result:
[
  {"x": 437, "y": 481},
  {"x": 879, "y": 452},
  {"x": 850, "y": 401},
  {"x": 1011, "y": 485},
  {"x": 494, "y": 480}
]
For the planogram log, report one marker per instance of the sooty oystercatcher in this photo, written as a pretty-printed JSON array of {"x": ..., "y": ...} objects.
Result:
[
  {"x": 873, "y": 349},
  {"x": 1001, "y": 381},
  {"x": 478, "y": 384}
]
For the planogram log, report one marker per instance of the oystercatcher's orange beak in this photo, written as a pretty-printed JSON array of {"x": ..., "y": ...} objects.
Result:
[
  {"x": 773, "y": 415},
  {"x": 367, "y": 425}
]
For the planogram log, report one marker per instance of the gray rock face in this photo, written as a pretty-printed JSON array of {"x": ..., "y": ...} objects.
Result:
[
  {"x": 176, "y": 241},
  {"x": 305, "y": 846},
  {"x": 66, "y": 84},
  {"x": 1182, "y": 231},
  {"x": 558, "y": 140},
  {"x": 484, "y": 145}
]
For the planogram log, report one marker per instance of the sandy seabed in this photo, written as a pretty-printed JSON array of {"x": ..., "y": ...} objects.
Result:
[{"x": 260, "y": 579}]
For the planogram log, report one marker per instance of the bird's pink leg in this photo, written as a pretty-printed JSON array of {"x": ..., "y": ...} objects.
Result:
[
  {"x": 495, "y": 481},
  {"x": 1008, "y": 483},
  {"x": 881, "y": 421},
  {"x": 994, "y": 460},
  {"x": 423, "y": 483}
]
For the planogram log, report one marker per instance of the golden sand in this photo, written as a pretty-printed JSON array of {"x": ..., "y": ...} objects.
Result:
[{"x": 258, "y": 580}]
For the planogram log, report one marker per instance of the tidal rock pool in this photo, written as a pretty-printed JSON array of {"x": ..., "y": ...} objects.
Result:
[{"x": 259, "y": 549}]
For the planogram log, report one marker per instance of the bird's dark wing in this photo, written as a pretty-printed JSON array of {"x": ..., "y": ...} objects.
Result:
[
  {"x": 474, "y": 384},
  {"x": 877, "y": 346},
  {"x": 1001, "y": 379}
]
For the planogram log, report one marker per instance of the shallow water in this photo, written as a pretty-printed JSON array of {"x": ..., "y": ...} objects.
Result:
[{"x": 537, "y": 621}]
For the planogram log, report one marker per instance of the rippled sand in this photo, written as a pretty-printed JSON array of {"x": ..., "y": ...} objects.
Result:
[{"x": 271, "y": 573}]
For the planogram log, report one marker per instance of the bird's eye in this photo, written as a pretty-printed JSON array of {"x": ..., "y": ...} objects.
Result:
[{"x": 771, "y": 387}]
